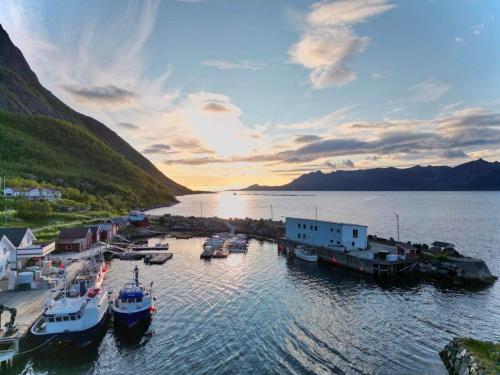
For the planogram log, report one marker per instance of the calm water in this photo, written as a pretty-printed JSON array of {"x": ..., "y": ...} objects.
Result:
[{"x": 260, "y": 313}]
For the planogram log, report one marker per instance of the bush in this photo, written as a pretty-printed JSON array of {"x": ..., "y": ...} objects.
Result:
[{"x": 34, "y": 210}]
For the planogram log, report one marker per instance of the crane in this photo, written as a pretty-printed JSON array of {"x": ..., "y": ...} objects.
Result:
[{"x": 10, "y": 327}]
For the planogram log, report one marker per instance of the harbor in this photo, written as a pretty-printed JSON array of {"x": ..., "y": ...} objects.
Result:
[{"x": 344, "y": 245}]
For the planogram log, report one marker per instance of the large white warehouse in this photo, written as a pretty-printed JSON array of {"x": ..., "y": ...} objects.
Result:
[{"x": 326, "y": 233}]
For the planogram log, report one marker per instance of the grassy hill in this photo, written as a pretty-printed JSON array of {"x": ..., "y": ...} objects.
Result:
[
  {"x": 22, "y": 93},
  {"x": 42, "y": 148}
]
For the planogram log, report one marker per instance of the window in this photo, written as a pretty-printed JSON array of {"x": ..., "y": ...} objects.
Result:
[
  {"x": 331, "y": 229},
  {"x": 338, "y": 242},
  {"x": 315, "y": 228},
  {"x": 51, "y": 320},
  {"x": 354, "y": 233},
  {"x": 304, "y": 236},
  {"x": 298, "y": 235},
  {"x": 58, "y": 319},
  {"x": 353, "y": 243},
  {"x": 72, "y": 317},
  {"x": 311, "y": 227},
  {"x": 65, "y": 318},
  {"x": 331, "y": 241},
  {"x": 299, "y": 225},
  {"x": 338, "y": 230}
]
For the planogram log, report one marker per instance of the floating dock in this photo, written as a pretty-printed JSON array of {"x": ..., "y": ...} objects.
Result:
[{"x": 158, "y": 258}]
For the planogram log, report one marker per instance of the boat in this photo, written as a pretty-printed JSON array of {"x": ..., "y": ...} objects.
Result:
[
  {"x": 305, "y": 254},
  {"x": 75, "y": 321},
  {"x": 92, "y": 276},
  {"x": 134, "y": 306}
]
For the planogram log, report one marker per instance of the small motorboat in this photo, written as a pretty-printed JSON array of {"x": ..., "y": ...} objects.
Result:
[
  {"x": 134, "y": 307},
  {"x": 306, "y": 254}
]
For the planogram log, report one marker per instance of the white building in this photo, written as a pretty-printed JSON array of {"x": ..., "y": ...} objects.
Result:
[
  {"x": 20, "y": 238},
  {"x": 32, "y": 193},
  {"x": 327, "y": 234},
  {"x": 6, "y": 250}
]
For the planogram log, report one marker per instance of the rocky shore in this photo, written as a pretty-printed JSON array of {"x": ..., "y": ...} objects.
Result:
[{"x": 463, "y": 356}]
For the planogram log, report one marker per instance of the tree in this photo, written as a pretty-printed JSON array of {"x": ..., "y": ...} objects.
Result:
[{"x": 34, "y": 210}]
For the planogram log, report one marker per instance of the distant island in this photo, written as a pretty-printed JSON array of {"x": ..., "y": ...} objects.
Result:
[{"x": 474, "y": 175}]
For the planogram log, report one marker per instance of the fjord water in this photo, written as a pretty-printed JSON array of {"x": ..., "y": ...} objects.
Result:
[{"x": 261, "y": 313}]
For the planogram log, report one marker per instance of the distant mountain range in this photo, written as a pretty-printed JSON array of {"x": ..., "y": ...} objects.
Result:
[
  {"x": 43, "y": 138},
  {"x": 474, "y": 175}
]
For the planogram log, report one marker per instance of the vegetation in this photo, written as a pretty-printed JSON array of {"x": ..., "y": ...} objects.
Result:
[
  {"x": 487, "y": 353},
  {"x": 45, "y": 151},
  {"x": 34, "y": 210}
]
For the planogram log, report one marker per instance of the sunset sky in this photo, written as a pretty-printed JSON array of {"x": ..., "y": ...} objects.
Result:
[{"x": 227, "y": 93}]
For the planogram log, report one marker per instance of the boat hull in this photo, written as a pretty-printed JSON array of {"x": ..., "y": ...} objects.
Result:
[
  {"x": 74, "y": 339},
  {"x": 123, "y": 320},
  {"x": 307, "y": 257}
]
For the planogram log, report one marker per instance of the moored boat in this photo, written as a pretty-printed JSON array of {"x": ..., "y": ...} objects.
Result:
[
  {"x": 305, "y": 254},
  {"x": 73, "y": 320},
  {"x": 134, "y": 306}
]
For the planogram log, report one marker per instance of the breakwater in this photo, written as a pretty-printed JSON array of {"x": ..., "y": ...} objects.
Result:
[{"x": 463, "y": 356}]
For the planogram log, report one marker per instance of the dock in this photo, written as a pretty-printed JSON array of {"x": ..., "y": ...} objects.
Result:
[
  {"x": 29, "y": 305},
  {"x": 158, "y": 258}
]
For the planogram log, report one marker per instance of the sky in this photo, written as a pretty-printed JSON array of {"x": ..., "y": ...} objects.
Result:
[{"x": 223, "y": 94}]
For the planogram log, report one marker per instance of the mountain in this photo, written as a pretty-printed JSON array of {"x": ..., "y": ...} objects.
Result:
[
  {"x": 474, "y": 175},
  {"x": 22, "y": 93}
]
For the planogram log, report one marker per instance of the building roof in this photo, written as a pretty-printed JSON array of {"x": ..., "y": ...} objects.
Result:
[
  {"x": 119, "y": 220},
  {"x": 324, "y": 221},
  {"x": 94, "y": 228},
  {"x": 15, "y": 235},
  {"x": 68, "y": 233},
  {"x": 105, "y": 227},
  {"x": 405, "y": 246},
  {"x": 442, "y": 244}
]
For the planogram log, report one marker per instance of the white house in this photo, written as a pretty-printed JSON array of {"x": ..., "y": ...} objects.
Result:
[
  {"x": 6, "y": 249},
  {"x": 21, "y": 238},
  {"x": 33, "y": 193},
  {"x": 327, "y": 234}
]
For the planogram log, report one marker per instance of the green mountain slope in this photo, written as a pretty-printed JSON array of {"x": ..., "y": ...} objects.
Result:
[
  {"x": 21, "y": 92},
  {"x": 58, "y": 151}
]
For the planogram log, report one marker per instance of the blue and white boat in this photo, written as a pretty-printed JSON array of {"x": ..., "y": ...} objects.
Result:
[{"x": 134, "y": 307}]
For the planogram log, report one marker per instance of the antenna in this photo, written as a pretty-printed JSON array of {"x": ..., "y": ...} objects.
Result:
[
  {"x": 201, "y": 209},
  {"x": 272, "y": 216}
]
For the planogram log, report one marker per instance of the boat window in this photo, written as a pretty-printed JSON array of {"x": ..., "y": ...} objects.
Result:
[
  {"x": 65, "y": 318},
  {"x": 72, "y": 317},
  {"x": 78, "y": 316},
  {"x": 51, "y": 320},
  {"x": 139, "y": 299},
  {"x": 58, "y": 319}
]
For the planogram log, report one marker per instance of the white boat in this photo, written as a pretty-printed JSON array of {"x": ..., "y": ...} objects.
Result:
[
  {"x": 305, "y": 254},
  {"x": 74, "y": 320}
]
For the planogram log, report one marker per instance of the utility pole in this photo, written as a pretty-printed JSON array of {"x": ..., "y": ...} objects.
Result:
[
  {"x": 4, "y": 201},
  {"x": 201, "y": 209},
  {"x": 397, "y": 223},
  {"x": 272, "y": 216},
  {"x": 316, "y": 209}
]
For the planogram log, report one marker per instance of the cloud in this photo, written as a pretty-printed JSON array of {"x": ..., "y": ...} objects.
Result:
[
  {"x": 157, "y": 148},
  {"x": 347, "y": 164},
  {"x": 378, "y": 76},
  {"x": 230, "y": 65},
  {"x": 101, "y": 95},
  {"x": 127, "y": 125},
  {"x": 425, "y": 91},
  {"x": 190, "y": 145},
  {"x": 215, "y": 106},
  {"x": 307, "y": 138},
  {"x": 196, "y": 161},
  {"x": 458, "y": 39},
  {"x": 329, "y": 42},
  {"x": 454, "y": 154}
]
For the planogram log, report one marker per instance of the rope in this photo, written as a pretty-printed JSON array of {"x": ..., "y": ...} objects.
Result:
[{"x": 38, "y": 347}]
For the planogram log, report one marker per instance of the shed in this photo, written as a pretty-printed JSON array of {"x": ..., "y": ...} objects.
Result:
[{"x": 74, "y": 239}]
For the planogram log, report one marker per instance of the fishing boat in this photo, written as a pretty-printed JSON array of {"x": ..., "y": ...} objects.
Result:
[
  {"x": 134, "y": 306},
  {"x": 305, "y": 254},
  {"x": 73, "y": 320}
]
